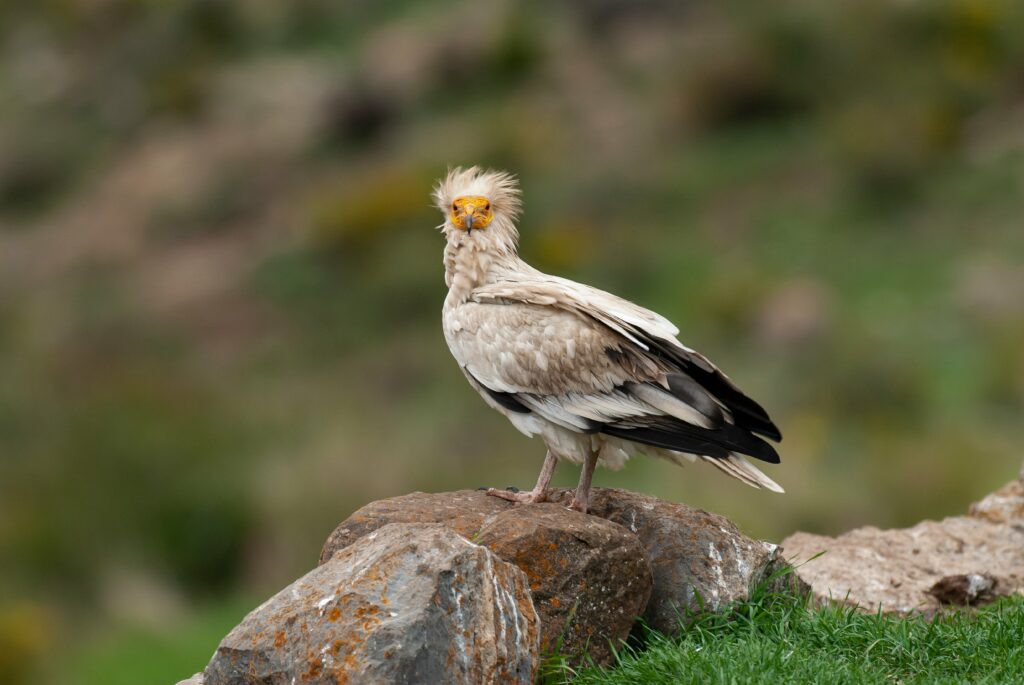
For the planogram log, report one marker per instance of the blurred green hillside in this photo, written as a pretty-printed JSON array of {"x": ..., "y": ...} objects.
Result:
[{"x": 220, "y": 282}]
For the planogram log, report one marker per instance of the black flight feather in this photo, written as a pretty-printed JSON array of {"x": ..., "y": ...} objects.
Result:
[
  {"x": 671, "y": 433},
  {"x": 746, "y": 412},
  {"x": 507, "y": 400}
]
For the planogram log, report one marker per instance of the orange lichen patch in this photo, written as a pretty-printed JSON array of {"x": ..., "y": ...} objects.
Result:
[
  {"x": 279, "y": 639},
  {"x": 334, "y": 614},
  {"x": 362, "y": 612},
  {"x": 316, "y": 667},
  {"x": 555, "y": 602}
]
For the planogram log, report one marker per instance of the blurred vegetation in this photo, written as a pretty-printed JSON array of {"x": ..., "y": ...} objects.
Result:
[{"x": 220, "y": 285}]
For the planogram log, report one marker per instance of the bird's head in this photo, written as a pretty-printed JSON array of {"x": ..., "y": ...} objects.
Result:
[
  {"x": 471, "y": 211},
  {"x": 481, "y": 200}
]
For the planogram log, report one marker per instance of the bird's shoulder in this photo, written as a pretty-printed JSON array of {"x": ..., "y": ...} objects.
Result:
[
  {"x": 605, "y": 308},
  {"x": 535, "y": 348}
]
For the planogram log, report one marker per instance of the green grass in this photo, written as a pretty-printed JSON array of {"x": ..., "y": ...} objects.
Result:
[{"x": 777, "y": 639}]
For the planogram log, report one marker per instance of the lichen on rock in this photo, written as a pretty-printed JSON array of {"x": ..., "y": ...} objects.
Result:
[{"x": 408, "y": 603}]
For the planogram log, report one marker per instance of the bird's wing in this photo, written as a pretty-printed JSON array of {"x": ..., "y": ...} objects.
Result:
[
  {"x": 593, "y": 362},
  {"x": 622, "y": 316},
  {"x": 692, "y": 376}
]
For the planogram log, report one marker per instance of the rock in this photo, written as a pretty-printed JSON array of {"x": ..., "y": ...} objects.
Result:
[
  {"x": 916, "y": 569},
  {"x": 1005, "y": 505},
  {"x": 197, "y": 679},
  {"x": 964, "y": 589},
  {"x": 464, "y": 511},
  {"x": 691, "y": 552},
  {"x": 698, "y": 559},
  {"x": 408, "y": 603},
  {"x": 590, "y": 578}
]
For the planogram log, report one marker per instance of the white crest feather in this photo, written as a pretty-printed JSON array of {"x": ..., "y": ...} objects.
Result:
[{"x": 500, "y": 187}]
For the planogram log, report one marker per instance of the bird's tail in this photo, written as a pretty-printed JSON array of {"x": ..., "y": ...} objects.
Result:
[{"x": 737, "y": 466}]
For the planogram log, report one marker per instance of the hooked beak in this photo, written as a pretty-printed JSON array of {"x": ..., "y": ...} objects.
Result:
[{"x": 468, "y": 219}]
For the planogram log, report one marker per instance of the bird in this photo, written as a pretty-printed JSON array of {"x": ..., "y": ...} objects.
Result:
[{"x": 597, "y": 377}]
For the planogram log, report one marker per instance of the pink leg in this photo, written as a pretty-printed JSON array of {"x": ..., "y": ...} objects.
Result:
[
  {"x": 540, "y": 490},
  {"x": 582, "y": 497}
]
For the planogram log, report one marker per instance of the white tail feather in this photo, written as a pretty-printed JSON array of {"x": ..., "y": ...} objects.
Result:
[{"x": 737, "y": 466}]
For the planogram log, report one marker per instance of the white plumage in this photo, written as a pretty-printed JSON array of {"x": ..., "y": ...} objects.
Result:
[{"x": 599, "y": 378}]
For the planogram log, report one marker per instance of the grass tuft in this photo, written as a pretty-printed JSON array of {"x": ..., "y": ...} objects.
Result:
[{"x": 779, "y": 638}]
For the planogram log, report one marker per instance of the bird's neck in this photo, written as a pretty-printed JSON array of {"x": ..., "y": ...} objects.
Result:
[{"x": 472, "y": 260}]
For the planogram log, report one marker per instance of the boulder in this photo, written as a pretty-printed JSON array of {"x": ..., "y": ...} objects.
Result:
[
  {"x": 407, "y": 603},
  {"x": 464, "y": 511},
  {"x": 589, "y": 577},
  {"x": 964, "y": 560},
  {"x": 697, "y": 559}
]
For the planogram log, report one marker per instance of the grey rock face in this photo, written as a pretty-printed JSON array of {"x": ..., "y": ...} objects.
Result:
[
  {"x": 589, "y": 577},
  {"x": 408, "y": 603},
  {"x": 691, "y": 552},
  {"x": 962, "y": 559},
  {"x": 697, "y": 558}
]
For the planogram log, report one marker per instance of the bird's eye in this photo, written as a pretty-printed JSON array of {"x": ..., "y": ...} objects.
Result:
[
  {"x": 455, "y": 207},
  {"x": 487, "y": 207}
]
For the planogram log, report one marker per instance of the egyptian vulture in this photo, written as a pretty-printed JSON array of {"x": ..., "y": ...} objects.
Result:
[{"x": 599, "y": 378}]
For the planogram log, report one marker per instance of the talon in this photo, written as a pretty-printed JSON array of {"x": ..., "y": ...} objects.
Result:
[
  {"x": 531, "y": 497},
  {"x": 577, "y": 505},
  {"x": 502, "y": 494},
  {"x": 512, "y": 488}
]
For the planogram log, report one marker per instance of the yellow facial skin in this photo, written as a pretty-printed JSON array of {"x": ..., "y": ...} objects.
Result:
[{"x": 471, "y": 212}]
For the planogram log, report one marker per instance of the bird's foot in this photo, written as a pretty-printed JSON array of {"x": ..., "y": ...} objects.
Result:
[
  {"x": 532, "y": 497},
  {"x": 579, "y": 505}
]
